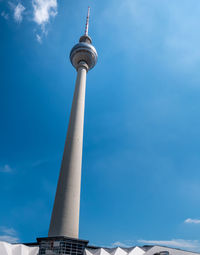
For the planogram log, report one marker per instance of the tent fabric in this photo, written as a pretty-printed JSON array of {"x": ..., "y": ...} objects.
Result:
[
  {"x": 150, "y": 250},
  {"x": 157, "y": 249},
  {"x": 17, "y": 249},
  {"x": 115, "y": 251},
  {"x": 21, "y": 249}
]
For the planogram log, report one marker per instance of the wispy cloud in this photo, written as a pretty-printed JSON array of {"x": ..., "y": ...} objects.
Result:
[
  {"x": 18, "y": 13},
  {"x": 8, "y": 235},
  {"x": 8, "y": 231},
  {"x": 38, "y": 38},
  {"x": 44, "y": 10},
  {"x": 121, "y": 244},
  {"x": 5, "y": 15},
  {"x": 40, "y": 161},
  {"x": 9, "y": 239},
  {"x": 124, "y": 243},
  {"x": 178, "y": 243},
  {"x": 194, "y": 221},
  {"x": 5, "y": 169}
]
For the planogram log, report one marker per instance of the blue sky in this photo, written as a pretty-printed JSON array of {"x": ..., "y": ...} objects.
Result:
[{"x": 141, "y": 164}]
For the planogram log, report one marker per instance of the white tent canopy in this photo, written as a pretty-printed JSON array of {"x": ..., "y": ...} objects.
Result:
[
  {"x": 21, "y": 249},
  {"x": 148, "y": 250},
  {"x": 115, "y": 251},
  {"x": 17, "y": 249}
]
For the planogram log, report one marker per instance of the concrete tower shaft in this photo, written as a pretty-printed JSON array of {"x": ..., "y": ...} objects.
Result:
[{"x": 65, "y": 215}]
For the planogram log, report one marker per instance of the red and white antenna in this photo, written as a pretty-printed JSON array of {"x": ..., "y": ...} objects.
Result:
[{"x": 87, "y": 22}]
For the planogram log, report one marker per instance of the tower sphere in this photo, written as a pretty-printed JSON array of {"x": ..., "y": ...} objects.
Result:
[{"x": 84, "y": 51}]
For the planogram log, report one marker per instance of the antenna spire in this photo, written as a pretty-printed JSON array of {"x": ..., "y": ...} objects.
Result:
[{"x": 87, "y": 22}]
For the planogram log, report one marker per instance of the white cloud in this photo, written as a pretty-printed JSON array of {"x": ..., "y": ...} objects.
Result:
[
  {"x": 4, "y": 15},
  {"x": 178, "y": 243},
  {"x": 189, "y": 220},
  {"x": 44, "y": 10},
  {"x": 8, "y": 235},
  {"x": 8, "y": 231},
  {"x": 124, "y": 243},
  {"x": 39, "y": 162},
  {"x": 6, "y": 169},
  {"x": 18, "y": 12},
  {"x": 121, "y": 244},
  {"x": 9, "y": 239},
  {"x": 39, "y": 38}
]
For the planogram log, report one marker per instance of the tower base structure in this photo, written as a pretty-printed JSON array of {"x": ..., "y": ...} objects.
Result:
[{"x": 61, "y": 245}]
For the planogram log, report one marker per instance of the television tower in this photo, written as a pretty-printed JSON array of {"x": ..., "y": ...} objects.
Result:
[{"x": 65, "y": 215}]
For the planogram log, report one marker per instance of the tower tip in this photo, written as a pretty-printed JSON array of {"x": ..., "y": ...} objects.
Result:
[{"x": 87, "y": 21}]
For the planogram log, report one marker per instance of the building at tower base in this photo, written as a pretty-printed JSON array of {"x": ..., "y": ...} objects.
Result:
[{"x": 33, "y": 249}]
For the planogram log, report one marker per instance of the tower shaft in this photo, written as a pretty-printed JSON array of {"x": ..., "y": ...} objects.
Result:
[{"x": 65, "y": 215}]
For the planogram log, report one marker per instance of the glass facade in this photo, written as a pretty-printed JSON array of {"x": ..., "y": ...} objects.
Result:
[{"x": 62, "y": 246}]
